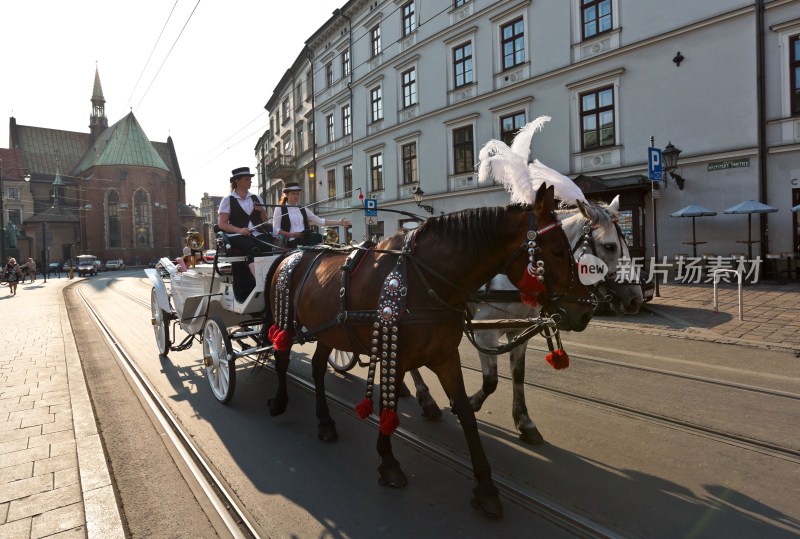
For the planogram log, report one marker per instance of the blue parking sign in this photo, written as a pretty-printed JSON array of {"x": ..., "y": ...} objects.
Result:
[
  {"x": 654, "y": 166},
  {"x": 371, "y": 207}
]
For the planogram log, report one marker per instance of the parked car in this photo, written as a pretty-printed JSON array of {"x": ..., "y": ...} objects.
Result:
[
  {"x": 69, "y": 264},
  {"x": 98, "y": 265},
  {"x": 210, "y": 255},
  {"x": 153, "y": 262},
  {"x": 86, "y": 265},
  {"x": 115, "y": 264},
  {"x": 53, "y": 267}
]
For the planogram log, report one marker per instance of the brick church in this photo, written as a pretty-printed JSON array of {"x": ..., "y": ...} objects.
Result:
[{"x": 111, "y": 192}]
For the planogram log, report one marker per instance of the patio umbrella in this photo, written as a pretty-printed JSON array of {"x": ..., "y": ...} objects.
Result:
[
  {"x": 750, "y": 207},
  {"x": 693, "y": 211},
  {"x": 796, "y": 209}
]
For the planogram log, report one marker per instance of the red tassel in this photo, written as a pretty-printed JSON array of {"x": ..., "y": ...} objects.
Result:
[
  {"x": 389, "y": 421},
  {"x": 558, "y": 359},
  {"x": 282, "y": 341},
  {"x": 364, "y": 408},
  {"x": 530, "y": 287},
  {"x": 272, "y": 330}
]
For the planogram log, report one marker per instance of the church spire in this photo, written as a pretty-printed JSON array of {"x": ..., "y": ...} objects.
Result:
[{"x": 97, "y": 121}]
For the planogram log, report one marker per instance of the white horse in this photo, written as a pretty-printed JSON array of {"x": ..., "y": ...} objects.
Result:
[{"x": 589, "y": 226}]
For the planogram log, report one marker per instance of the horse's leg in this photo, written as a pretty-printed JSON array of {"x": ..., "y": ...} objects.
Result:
[
  {"x": 277, "y": 404},
  {"x": 489, "y": 369},
  {"x": 486, "y": 497},
  {"x": 519, "y": 411},
  {"x": 391, "y": 475},
  {"x": 326, "y": 429},
  {"x": 429, "y": 407}
]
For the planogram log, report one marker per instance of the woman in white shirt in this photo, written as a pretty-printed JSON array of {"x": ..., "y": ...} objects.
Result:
[
  {"x": 290, "y": 222},
  {"x": 242, "y": 212}
]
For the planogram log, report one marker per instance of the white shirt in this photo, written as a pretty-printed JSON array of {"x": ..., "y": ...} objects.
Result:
[
  {"x": 246, "y": 203},
  {"x": 295, "y": 219}
]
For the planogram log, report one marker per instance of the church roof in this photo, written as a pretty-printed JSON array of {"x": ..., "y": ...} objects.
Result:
[
  {"x": 55, "y": 214},
  {"x": 124, "y": 143},
  {"x": 97, "y": 91},
  {"x": 41, "y": 147}
]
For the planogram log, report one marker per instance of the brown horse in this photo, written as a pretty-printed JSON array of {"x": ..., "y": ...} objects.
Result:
[{"x": 404, "y": 308}]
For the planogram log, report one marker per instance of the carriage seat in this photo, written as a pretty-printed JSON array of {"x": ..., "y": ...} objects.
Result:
[{"x": 225, "y": 249}]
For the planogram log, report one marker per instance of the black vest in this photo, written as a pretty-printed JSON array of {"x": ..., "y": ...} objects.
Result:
[
  {"x": 239, "y": 218},
  {"x": 286, "y": 223}
]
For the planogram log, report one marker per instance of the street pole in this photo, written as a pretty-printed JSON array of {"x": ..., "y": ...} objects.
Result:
[
  {"x": 44, "y": 251},
  {"x": 2, "y": 221},
  {"x": 655, "y": 225}
]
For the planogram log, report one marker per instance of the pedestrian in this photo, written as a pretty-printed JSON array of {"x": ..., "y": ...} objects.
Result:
[
  {"x": 290, "y": 221},
  {"x": 30, "y": 266},
  {"x": 12, "y": 273},
  {"x": 241, "y": 213}
]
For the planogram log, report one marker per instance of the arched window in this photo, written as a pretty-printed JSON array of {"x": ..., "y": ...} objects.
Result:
[
  {"x": 113, "y": 228},
  {"x": 142, "y": 219}
]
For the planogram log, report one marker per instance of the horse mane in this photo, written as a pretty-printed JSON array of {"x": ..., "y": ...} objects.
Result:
[{"x": 470, "y": 231}]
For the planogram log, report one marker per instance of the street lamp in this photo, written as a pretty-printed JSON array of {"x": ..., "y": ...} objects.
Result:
[
  {"x": 670, "y": 156},
  {"x": 418, "y": 194},
  {"x": 3, "y": 211}
]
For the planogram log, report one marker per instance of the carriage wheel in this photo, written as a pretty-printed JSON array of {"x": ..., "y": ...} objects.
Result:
[
  {"x": 218, "y": 359},
  {"x": 160, "y": 324},
  {"x": 342, "y": 361}
]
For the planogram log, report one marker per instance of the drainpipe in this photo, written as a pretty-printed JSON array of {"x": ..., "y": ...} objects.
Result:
[
  {"x": 762, "y": 127},
  {"x": 310, "y": 58}
]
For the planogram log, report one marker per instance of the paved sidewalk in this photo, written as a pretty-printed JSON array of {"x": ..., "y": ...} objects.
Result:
[{"x": 54, "y": 481}]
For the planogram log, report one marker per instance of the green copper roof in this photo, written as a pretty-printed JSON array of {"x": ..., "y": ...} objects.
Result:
[{"x": 124, "y": 143}]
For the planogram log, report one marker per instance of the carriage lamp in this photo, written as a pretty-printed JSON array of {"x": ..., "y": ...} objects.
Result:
[
  {"x": 418, "y": 194},
  {"x": 670, "y": 155}
]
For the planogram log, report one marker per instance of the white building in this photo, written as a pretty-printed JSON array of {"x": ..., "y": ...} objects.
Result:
[{"x": 405, "y": 93}]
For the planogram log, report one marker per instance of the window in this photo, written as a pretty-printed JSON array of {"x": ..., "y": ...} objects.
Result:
[
  {"x": 329, "y": 127},
  {"x": 462, "y": 64},
  {"x": 596, "y": 17},
  {"x": 459, "y": 3},
  {"x": 463, "y": 152},
  {"x": 112, "y": 220},
  {"x": 347, "y": 176},
  {"x": 287, "y": 144},
  {"x": 346, "y": 63},
  {"x": 597, "y": 118},
  {"x": 309, "y": 85},
  {"x": 376, "y": 102},
  {"x": 141, "y": 218},
  {"x": 409, "y": 21},
  {"x": 329, "y": 74},
  {"x": 285, "y": 109},
  {"x": 509, "y": 125},
  {"x": 15, "y": 217},
  {"x": 298, "y": 94},
  {"x": 409, "y": 87},
  {"x": 331, "y": 184},
  {"x": 512, "y": 42},
  {"x": 298, "y": 138},
  {"x": 794, "y": 73},
  {"x": 13, "y": 192},
  {"x": 376, "y": 171},
  {"x": 409, "y": 152},
  {"x": 375, "y": 41},
  {"x": 347, "y": 122}
]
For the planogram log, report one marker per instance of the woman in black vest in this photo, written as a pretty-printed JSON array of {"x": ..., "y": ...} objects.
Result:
[
  {"x": 242, "y": 212},
  {"x": 290, "y": 222}
]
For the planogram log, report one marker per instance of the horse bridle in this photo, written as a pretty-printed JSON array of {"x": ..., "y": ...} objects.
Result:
[{"x": 590, "y": 243}]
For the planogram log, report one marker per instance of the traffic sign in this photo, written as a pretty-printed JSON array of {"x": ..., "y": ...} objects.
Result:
[
  {"x": 370, "y": 220},
  {"x": 371, "y": 207},
  {"x": 655, "y": 170}
]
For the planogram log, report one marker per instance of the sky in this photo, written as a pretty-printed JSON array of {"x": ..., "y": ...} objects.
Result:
[{"x": 203, "y": 82}]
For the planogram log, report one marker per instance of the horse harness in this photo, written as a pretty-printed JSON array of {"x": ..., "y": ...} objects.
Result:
[{"x": 589, "y": 243}]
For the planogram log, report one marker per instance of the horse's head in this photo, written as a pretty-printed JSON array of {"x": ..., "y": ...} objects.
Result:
[
  {"x": 549, "y": 273},
  {"x": 599, "y": 234}
]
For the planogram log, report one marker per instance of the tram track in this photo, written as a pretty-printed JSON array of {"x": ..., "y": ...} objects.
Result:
[{"x": 234, "y": 517}]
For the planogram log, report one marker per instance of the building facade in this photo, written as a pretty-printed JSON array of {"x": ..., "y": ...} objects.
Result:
[
  {"x": 405, "y": 93},
  {"x": 110, "y": 192}
]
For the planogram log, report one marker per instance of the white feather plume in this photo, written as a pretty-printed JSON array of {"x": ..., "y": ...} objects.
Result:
[{"x": 510, "y": 167}]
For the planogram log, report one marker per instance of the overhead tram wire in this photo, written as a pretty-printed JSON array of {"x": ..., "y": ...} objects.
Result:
[
  {"x": 168, "y": 54},
  {"x": 192, "y": 168},
  {"x": 158, "y": 40}
]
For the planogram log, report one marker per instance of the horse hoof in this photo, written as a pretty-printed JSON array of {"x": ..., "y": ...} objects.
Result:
[
  {"x": 431, "y": 411},
  {"x": 488, "y": 505},
  {"x": 276, "y": 407},
  {"x": 531, "y": 436},
  {"x": 392, "y": 478},
  {"x": 327, "y": 433}
]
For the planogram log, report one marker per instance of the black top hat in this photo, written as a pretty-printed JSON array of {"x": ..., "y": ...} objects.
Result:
[
  {"x": 239, "y": 172},
  {"x": 292, "y": 186}
]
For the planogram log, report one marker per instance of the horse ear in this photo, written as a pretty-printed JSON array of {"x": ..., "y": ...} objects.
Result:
[
  {"x": 614, "y": 206},
  {"x": 539, "y": 199}
]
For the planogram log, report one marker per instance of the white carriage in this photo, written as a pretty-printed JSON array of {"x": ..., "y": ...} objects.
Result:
[{"x": 219, "y": 304}]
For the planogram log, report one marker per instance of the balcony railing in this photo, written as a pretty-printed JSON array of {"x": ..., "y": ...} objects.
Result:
[{"x": 281, "y": 167}]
